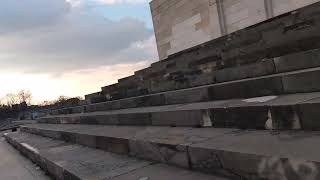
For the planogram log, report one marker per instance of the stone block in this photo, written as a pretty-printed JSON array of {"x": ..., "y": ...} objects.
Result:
[
  {"x": 48, "y": 133},
  {"x": 115, "y": 145},
  {"x": 70, "y": 175},
  {"x": 164, "y": 153},
  {"x": 114, "y": 104},
  {"x": 187, "y": 96},
  {"x": 246, "y": 88},
  {"x": 68, "y": 137},
  {"x": 165, "y": 172},
  {"x": 95, "y": 98},
  {"x": 242, "y": 117},
  {"x": 209, "y": 161},
  {"x": 54, "y": 170},
  {"x": 103, "y": 120},
  {"x": 152, "y": 100},
  {"x": 285, "y": 118},
  {"x": 88, "y": 120},
  {"x": 201, "y": 79},
  {"x": 70, "y": 119},
  {"x": 86, "y": 140},
  {"x": 99, "y": 107},
  {"x": 142, "y": 119},
  {"x": 303, "y": 82},
  {"x": 51, "y": 120},
  {"x": 177, "y": 118},
  {"x": 162, "y": 85},
  {"x": 129, "y": 103},
  {"x": 143, "y": 101},
  {"x": 309, "y": 114},
  {"x": 296, "y": 61},
  {"x": 257, "y": 155},
  {"x": 245, "y": 71}
]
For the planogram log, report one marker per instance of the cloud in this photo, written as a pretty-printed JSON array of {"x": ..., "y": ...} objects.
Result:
[
  {"x": 74, "y": 83},
  {"x": 107, "y": 2},
  {"x": 58, "y": 47},
  {"x": 122, "y": 1},
  {"x": 63, "y": 39},
  {"x": 18, "y": 15}
]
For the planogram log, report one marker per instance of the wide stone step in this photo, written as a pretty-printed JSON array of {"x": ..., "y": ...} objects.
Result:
[
  {"x": 301, "y": 81},
  {"x": 73, "y": 162},
  {"x": 292, "y": 111},
  {"x": 249, "y": 154},
  {"x": 175, "y": 78}
]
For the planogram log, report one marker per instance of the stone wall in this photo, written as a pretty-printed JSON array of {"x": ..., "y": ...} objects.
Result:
[{"x": 182, "y": 24}]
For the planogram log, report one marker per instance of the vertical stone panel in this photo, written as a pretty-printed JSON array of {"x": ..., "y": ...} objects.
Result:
[
  {"x": 284, "y": 6},
  {"x": 182, "y": 24},
  {"x": 243, "y": 13}
]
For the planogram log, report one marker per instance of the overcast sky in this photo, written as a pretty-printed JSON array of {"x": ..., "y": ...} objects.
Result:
[{"x": 72, "y": 47}]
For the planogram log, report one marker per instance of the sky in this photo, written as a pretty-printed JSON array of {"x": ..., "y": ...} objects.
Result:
[{"x": 72, "y": 47}]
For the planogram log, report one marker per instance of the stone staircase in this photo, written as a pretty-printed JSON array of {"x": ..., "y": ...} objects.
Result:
[{"x": 244, "y": 106}]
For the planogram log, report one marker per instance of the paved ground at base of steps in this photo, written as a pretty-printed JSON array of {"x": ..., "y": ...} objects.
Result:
[{"x": 13, "y": 166}]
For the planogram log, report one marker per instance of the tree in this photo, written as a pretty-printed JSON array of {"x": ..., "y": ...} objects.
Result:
[
  {"x": 24, "y": 96},
  {"x": 11, "y": 99},
  {"x": 46, "y": 103}
]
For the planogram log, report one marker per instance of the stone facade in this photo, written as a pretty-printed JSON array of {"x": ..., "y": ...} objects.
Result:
[{"x": 182, "y": 24}]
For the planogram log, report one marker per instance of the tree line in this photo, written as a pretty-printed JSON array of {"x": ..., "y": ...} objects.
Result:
[
  {"x": 12, "y": 104},
  {"x": 23, "y": 96}
]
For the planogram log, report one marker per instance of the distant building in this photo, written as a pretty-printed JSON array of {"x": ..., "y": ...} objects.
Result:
[{"x": 182, "y": 24}]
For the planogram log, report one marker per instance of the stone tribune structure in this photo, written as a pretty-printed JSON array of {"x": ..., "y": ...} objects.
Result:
[
  {"x": 182, "y": 24},
  {"x": 244, "y": 105}
]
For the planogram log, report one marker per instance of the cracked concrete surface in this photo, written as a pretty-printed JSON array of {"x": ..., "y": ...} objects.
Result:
[{"x": 13, "y": 166}]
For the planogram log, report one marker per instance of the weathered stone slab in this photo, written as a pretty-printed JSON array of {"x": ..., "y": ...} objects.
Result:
[
  {"x": 76, "y": 161},
  {"x": 95, "y": 98},
  {"x": 164, "y": 153},
  {"x": 179, "y": 118},
  {"x": 302, "y": 82},
  {"x": 154, "y": 100},
  {"x": 244, "y": 118},
  {"x": 245, "y": 89},
  {"x": 152, "y": 143},
  {"x": 67, "y": 161},
  {"x": 241, "y": 153},
  {"x": 135, "y": 119},
  {"x": 271, "y": 112},
  {"x": 187, "y": 96},
  {"x": 285, "y": 117},
  {"x": 259, "y": 155},
  {"x": 161, "y": 172},
  {"x": 246, "y": 71},
  {"x": 199, "y": 79},
  {"x": 296, "y": 61},
  {"x": 309, "y": 114},
  {"x": 110, "y": 144}
]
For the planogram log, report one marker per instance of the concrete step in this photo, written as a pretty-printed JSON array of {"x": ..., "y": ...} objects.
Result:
[
  {"x": 301, "y": 81},
  {"x": 292, "y": 111},
  {"x": 249, "y": 154},
  {"x": 13, "y": 166},
  {"x": 175, "y": 78},
  {"x": 67, "y": 161}
]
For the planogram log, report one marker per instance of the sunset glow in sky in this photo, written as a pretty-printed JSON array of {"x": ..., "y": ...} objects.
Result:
[{"x": 72, "y": 47}]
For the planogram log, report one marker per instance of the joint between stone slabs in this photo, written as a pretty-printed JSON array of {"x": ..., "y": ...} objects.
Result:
[
  {"x": 189, "y": 158},
  {"x": 150, "y": 164},
  {"x": 228, "y": 170}
]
